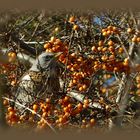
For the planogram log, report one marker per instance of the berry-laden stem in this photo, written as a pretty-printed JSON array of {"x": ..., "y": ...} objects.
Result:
[{"x": 67, "y": 58}]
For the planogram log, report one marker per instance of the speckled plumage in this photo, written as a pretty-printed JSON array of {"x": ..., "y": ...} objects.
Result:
[{"x": 39, "y": 81}]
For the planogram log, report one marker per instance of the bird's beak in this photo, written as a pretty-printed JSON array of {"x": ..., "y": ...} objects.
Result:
[{"x": 58, "y": 54}]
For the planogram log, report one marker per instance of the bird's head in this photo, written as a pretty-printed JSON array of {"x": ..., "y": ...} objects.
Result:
[{"x": 45, "y": 61}]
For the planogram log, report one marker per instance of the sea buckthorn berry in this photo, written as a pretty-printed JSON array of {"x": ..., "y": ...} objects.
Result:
[
  {"x": 110, "y": 27},
  {"x": 104, "y": 49},
  {"x": 105, "y": 34},
  {"x": 138, "y": 39},
  {"x": 75, "y": 27},
  {"x": 134, "y": 39},
  {"x": 111, "y": 49},
  {"x": 92, "y": 121},
  {"x": 47, "y": 45},
  {"x": 57, "y": 42},
  {"x": 66, "y": 99},
  {"x": 104, "y": 30},
  {"x": 114, "y": 29},
  {"x": 94, "y": 49},
  {"x": 80, "y": 106},
  {"x": 48, "y": 100},
  {"x": 10, "y": 109},
  {"x": 100, "y": 43},
  {"x": 129, "y": 30},
  {"x": 35, "y": 107},
  {"x": 120, "y": 50},
  {"x": 100, "y": 48},
  {"x": 52, "y": 39},
  {"x": 13, "y": 55},
  {"x": 110, "y": 43},
  {"x": 80, "y": 88},
  {"x": 56, "y": 29},
  {"x": 108, "y": 32},
  {"x": 138, "y": 86},
  {"x": 86, "y": 101},
  {"x": 5, "y": 102},
  {"x": 126, "y": 62},
  {"x": 72, "y": 19}
]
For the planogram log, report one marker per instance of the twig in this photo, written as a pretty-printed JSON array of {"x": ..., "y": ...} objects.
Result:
[
  {"x": 27, "y": 108},
  {"x": 80, "y": 97},
  {"x": 25, "y": 46}
]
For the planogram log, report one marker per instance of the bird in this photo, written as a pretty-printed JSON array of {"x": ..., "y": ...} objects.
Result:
[{"x": 41, "y": 79}]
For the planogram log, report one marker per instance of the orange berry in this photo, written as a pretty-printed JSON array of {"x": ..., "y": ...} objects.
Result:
[
  {"x": 13, "y": 54},
  {"x": 74, "y": 81},
  {"x": 120, "y": 50},
  {"x": 10, "y": 109},
  {"x": 84, "y": 121},
  {"x": 75, "y": 27},
  {"x": 60, "y": 120},
  {"x": 112, "y": 57},
  {"x": 69, "y": 106},
  {"x": 92, "y": 121},
  {"x": 100, "y": 48},
  {"x": 110, "y": 28},
  {"x": 57, "y": 42},
  {"x": 108, "y": 32},
  {"x": 103, "y": 90},
  {"x": 48, "y": 100},
  {"x": 129, "y": 30},
  {"x": 85, "y": 105},
  {"x": 72, "y": 68},
  {"x": 111, "y": 49},
  {"x": 66, "y": 99},
  {"x": 100, "y": 43},
  {"x": 114, "y": 29},
  {"x": 5, "y": 102},
  {"x": 104, "y": 49},
  {"x": 52, "y": 39},
  {"x": 138, "y": 78},
  {"x": 126, "y": 62},
  {"x": 116, "y": 69},
  {"x": 84, "y": 87},
  {"x": 86, "y": 101},
  {"x": 56, "y": 29},
  {"x": 80, "y": 106},
  {"x": 104, "y": 58},
  {"x": 80, "y": 59},
  {"x": 35, "y": 107},
  {"x": 138, "y": 86},
  {"x": 44, "y": 114},
  {"x": 73, "y": 54},
  {"x": 94, "y": 49},
  {"x": 9, "y": 54},
  {"x": 80, "y": 88},
  {"x": 138, "y": 39},
  {"x": 72, "y": 19},
  {"x": 11, "y": 114},
  {"x": 47, "y": 45},
  {"x": 13, "y": 83},
  {"x": 105, "y": 33},
  {"x": 65, "y": 109},
  {"x": 110, "y": 43},
  {"x": 66, "y": 115},
  {"x": 104, "y": 30},
  {"x": 134, "y": 39}
]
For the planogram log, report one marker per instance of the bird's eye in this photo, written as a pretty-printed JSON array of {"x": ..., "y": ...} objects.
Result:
[{"x": 47, "y": 58}]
